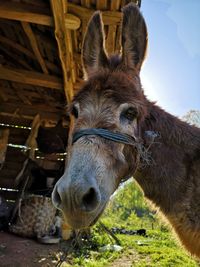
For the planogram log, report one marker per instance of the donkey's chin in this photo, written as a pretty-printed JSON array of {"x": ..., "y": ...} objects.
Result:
[{"x": 79, "y": 220}]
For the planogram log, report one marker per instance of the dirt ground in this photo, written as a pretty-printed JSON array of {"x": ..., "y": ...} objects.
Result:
[{"x": 16, "y": 251}]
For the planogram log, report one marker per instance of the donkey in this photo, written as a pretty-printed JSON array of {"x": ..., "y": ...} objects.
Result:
[{"x": 118, "y": 133}]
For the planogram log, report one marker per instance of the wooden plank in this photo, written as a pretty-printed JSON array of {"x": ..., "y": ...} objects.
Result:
[
  {"x": 101, "y": 4},
  {"x": 13, "y": 165},
  {"x": 33, "y": 14},
  {"x": 20, "y": 93},
  {"x": 4, "y": 135},
  {"x": 15, "y": 58},
  {"x": 30, "y": 111},
  {"x": 9, "y": 195},
  {"x": 16, "y": 46},
  {"x": 109, "y": 17},
  {"x": 3, "y": 96},
  {"x": 7, "y": 183},
  {"x": 33, "y": 42},
  {"x": 30, "y": 77},
  {"x": 15, "y": 121},
  {"x": 115, "y": 5},
  {"x": 17, "y": 136},
  {"x": 43, "y": 108},
  {"x": 8, "y": 174},
  {"x": 27, "y": 52},
  {"x": 86, "y": 3},
  {"x": 110, "y": 41},
  {"x": 24, "y": 12},
  {"x": 14, "y": 154},
  {"x": 53, "y": 117}
]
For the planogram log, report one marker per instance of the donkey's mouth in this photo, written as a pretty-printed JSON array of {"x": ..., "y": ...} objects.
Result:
[
  {"x": 98, "y": 216},
  {"x": 79, "y": 221}
]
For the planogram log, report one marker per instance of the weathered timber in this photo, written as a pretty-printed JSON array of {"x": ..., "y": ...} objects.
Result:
[
  {"x": 33, "y": 42},
  {"x": 61, "y": 35},
  {"x": 30, "y": 77},
  {"x": 109, "y": 17},
  {"x": 23, "y": 12}
]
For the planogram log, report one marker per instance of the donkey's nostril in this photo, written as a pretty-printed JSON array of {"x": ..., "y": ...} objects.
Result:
[
  {"x": 56, "y": 198},
  {"x": 90, "y": 200}
]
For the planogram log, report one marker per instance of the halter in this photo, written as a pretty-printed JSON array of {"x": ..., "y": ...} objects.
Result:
[
  {"x": 124, "y": 139},
  {"x": 113, "y": 136}
]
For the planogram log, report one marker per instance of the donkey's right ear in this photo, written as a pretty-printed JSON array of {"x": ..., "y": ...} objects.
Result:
[{"x": 93, "y": 51}]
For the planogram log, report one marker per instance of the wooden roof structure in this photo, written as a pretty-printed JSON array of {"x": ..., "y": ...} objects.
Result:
[{"x": 40, "y": 63}]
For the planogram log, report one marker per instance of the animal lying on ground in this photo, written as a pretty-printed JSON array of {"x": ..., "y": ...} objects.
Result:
[{"x": 109, "y": 140}]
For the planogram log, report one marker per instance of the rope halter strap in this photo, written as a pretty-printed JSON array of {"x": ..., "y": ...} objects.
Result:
[{"x": 113, "y": 136}]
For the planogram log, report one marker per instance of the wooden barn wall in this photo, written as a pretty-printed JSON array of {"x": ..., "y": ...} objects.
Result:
[
  {"x": 13, "y": 161},
  {"x": 15, "y": 156}
]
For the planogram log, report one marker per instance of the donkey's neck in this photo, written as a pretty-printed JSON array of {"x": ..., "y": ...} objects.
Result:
[
  {"x": 172, "y": 182},
  {"x": 174, "y": 132},
  {"x": 165, "y": 181}
]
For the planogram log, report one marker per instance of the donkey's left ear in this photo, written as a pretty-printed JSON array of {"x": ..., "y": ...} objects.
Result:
[
  {"x": 93, "y": 51},
  {"x": 134, "y": 37}
]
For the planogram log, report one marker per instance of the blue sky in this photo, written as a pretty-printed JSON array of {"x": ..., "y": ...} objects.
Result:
[{"x": 171, "y": 72}]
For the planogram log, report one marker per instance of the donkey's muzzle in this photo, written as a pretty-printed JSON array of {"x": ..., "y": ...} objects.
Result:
[{"x": 78, "y": 198}]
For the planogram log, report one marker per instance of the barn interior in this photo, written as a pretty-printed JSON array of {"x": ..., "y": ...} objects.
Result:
[{"x": 40, "y": 72}]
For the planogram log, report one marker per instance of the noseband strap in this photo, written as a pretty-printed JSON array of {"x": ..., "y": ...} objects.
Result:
[
  {"x": 143, "y": 153},
  {"x": 113, "y": 136}
]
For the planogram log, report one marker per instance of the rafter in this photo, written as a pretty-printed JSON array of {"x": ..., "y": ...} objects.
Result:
[
  {"x": 33, "y": 42},
  {"x": 8, "y": 42},
  {"x": 30, "y": 77},
  {"x": 23, "y": 12},
  {"x": 109, "y": 17}
]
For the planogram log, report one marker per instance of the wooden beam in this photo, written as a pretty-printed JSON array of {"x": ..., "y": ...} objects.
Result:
[
  {"x": 15, "y": 58},
  {"x": 72, "y": 22},
  {"x": 101, "y": 4},
  {"x": 111, "y": 37},
  {"x": 3, "y": 96},
  {"x": 15, "y": 121},
  {"x": 23, "y": 12},
  {"x": 18, "y": 47},
  {"x": 62, "y": 38},
  {"x": 50, "y": 117},
  {"x": 30, "y": 77},
  {"x": 29, "y": 109},
  {"x": 33, "y": 42},
  {"x": 86, "y": 3},
  {"x": 109, "y": 17},
  {"x": 8, "y": 42}
]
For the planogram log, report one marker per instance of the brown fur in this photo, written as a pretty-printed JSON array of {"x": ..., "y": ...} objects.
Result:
[{"x": 172, "y": 181}]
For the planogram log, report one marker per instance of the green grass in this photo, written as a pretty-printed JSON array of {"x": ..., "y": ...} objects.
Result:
[{"x": 158, "y": 249}]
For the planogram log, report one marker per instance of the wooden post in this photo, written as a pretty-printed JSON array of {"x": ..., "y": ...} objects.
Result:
[
  {"x": 4, "y": 134},
  {"x": 62, "y": 34}
]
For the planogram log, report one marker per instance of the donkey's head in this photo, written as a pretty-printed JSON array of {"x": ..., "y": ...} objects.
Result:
[{"x": 103, "y": 146}]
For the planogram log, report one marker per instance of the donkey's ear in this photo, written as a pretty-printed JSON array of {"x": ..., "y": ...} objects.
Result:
[
  {"x": 93, "y": 51},
  {"x": 134, "y": 37}
]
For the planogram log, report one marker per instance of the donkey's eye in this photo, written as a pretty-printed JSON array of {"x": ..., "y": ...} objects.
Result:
[
  {"x": 129, "y": 114},
  {"x": 74, "y": 111}
]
